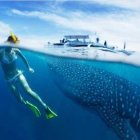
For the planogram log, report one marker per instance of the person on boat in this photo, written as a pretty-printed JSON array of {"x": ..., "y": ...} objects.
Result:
[
  {"x": 97, "y": 40},
  {"x": 124, "y": 46},
  {"x": 15, "y": 78},
  {"x": 105, "y": 43}
]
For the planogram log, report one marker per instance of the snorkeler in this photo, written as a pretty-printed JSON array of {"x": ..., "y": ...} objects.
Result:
[{"x": 15, "y": 77}]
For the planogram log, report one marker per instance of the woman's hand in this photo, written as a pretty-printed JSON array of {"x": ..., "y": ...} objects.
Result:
[{"x": 31, "y": 70}]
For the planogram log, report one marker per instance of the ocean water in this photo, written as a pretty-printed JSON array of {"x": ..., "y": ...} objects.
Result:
[{"x": 74, "y": 122}]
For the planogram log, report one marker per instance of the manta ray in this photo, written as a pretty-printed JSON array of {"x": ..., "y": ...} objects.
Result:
[{"x": 115, "y": 99}]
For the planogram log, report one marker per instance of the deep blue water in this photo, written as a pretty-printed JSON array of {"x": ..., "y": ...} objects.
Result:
[{"x": 73, "y": 122}]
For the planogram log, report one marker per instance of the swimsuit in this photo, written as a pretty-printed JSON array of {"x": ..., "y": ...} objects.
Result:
[
  {"x": 15, "y": 77},
  {"x": 8, "y": 59}
]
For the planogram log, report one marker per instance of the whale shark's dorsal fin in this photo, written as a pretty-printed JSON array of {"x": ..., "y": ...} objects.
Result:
[{"x": 120, "y": 125}]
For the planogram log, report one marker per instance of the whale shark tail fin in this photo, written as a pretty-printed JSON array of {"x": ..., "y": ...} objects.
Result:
[{"x": 121, "y": 126}]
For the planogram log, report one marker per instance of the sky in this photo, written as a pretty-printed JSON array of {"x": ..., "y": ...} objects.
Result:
[{"x": 38, "y": 22}]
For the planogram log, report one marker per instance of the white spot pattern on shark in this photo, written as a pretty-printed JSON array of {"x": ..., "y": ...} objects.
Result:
[{"x": 116, "y": 99}]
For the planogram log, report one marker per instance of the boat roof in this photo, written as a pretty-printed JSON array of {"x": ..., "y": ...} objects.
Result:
[{"x": 76, "y": 36}]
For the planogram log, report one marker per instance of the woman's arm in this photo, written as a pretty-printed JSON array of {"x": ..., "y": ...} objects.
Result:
[{"x": 18, "y": 52}]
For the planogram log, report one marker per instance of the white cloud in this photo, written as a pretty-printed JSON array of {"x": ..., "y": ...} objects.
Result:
[
  {"x": 131, "y": 4},
  {"x": 35, "y": 42},
  {"x": 31, "y": 41},
  {"x": 116, "y": 28},
  {"x": 4, "y": 30}
]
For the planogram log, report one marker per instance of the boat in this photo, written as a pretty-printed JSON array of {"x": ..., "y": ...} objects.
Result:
[
  {"x": 74, "y": 41},
  {"x": 83, "y": 41}
]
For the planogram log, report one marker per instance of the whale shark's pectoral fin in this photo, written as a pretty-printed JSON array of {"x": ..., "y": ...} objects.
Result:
[{"x": 120, "y": 125}]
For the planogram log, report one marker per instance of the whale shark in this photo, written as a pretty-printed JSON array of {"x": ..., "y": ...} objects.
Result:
[{"x": 115, "y": 99}]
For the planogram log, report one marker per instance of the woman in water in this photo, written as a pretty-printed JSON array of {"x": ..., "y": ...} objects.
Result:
[{"x": 15, "y": 77}]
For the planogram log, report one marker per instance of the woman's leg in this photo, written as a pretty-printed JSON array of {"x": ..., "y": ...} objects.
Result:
[
  {"x": 14, "y": 89},
  {"x": 49, "y": 113},
  {"x": 30, "y": 91}
]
